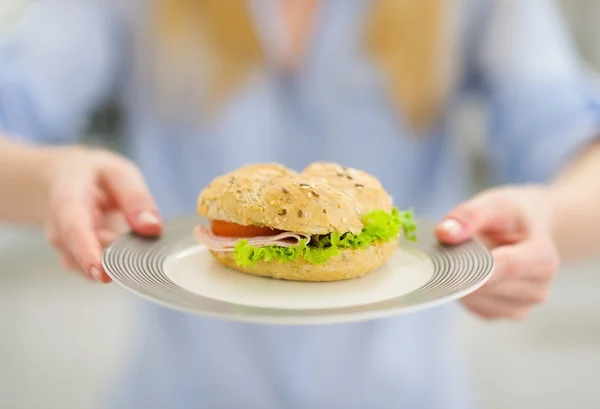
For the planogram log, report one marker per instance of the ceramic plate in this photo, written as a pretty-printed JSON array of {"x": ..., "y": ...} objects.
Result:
[{"x": 177, "y": 272}]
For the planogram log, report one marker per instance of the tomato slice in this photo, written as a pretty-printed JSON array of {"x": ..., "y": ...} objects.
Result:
[{"x": 227, "y": 229}]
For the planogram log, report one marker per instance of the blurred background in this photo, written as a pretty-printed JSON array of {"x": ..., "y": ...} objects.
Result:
[{"x": 61, "y": 336}]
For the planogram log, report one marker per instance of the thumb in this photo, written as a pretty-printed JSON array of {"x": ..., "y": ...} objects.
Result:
[
  {"x": 487, "y": 213},
  {"x": 127, "y": 187}
]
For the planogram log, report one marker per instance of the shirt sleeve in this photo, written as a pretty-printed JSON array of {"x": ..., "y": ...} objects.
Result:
[
  {"x": 58, "y": 64},
  {"x": 544, "y": 105}
]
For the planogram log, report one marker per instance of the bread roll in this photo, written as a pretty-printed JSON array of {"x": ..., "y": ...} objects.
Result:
[
  {"x": 281, "y": 199},
  {"x": 364, "y": 188},
  {"x": 324, "y": 198}
]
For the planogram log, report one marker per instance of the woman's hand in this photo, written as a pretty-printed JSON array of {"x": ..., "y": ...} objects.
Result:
[
  {"x": 514, "y": 222},
  {"x": 94, "y": 196}
]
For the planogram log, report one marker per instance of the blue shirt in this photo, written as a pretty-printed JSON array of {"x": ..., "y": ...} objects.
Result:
[{"x": 63, "y": 59}]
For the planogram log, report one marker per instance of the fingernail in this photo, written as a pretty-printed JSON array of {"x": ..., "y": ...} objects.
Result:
[
  {"x": 96, "y": 273},
  {"x": 451, "y": 226},
  {"x": 148, "y": 218}
]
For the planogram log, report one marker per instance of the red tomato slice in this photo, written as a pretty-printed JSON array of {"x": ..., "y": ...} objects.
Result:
[{"x": 226, "y": 229}]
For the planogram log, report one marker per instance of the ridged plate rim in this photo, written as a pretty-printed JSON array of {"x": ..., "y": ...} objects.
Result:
[{"x": 457, "y": 271}]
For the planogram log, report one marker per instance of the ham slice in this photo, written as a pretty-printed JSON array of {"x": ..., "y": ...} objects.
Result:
[{"x": 206, "y": 236}]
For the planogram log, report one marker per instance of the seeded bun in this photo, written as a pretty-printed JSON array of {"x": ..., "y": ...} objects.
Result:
[
  {"x": 324, "y": 198},
  {"x": 365, "y": 189},
  {"x": 277, "y": 197}
]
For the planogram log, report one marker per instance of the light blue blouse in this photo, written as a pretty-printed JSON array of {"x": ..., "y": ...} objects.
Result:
[{"x": 63, "y": 59}]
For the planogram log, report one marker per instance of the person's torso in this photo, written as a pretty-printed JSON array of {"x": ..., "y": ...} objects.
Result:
[{"x": 336, "y": 110}]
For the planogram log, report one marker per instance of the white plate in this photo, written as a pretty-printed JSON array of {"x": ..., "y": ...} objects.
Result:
[{"x": 177, "y": 272}]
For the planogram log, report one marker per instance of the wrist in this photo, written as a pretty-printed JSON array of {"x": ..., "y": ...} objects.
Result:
[
  {"x": 52, "y": 162},
  {"x": 554, "y": 193},
  {"x": 52, "y": 165},
  {"x": 566, "y": 213},
  {"x": 26, "y": 180}
]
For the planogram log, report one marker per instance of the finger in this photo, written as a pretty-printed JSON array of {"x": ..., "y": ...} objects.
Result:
[
  {"x": 490, "y": 308},
  {"x": 486, "y": 213},
  {"x": 522, "y": 292},
  {"x": 53, "y": 237},
  {"x": 106, "y": 237},
  {"x": 67, "y": 261},
  {"x": 126, "y": 184},
  {"x": 105, "y": 277},
  {"x": 75, "y": 226},
  {"x": 116, "y": 222},
  {"x": 534, "y": 259}
]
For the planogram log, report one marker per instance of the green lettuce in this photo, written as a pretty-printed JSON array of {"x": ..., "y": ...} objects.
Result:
[{"x": 378, "y": 226}]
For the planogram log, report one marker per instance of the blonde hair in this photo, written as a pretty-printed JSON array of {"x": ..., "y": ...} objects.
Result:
[{"x": 403, "y": 36}]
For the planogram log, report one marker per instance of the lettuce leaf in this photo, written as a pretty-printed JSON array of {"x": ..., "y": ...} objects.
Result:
[{"x": 378, "y": 226}]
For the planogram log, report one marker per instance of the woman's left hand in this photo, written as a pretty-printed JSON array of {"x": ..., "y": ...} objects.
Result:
[{"x": 514, "y": 222}]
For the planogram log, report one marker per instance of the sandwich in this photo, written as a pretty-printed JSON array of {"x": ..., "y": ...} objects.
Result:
[{"x": 326, "y": 223}]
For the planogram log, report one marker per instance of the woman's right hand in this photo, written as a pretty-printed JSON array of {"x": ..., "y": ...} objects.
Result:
[{"x": 95, "y": 196}]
